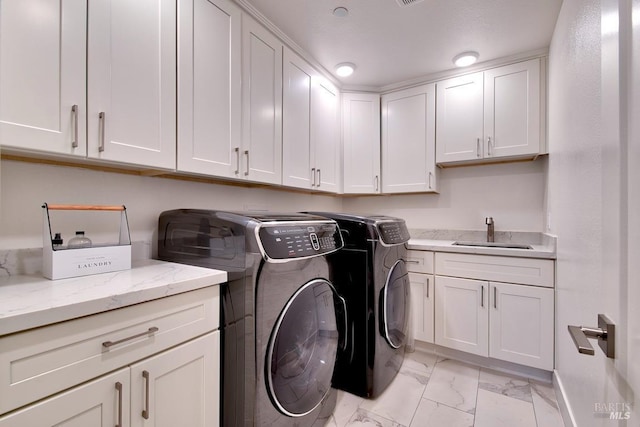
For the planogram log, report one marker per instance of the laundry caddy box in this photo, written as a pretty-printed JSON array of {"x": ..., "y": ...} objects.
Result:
[{"x": 59, "y": 262}]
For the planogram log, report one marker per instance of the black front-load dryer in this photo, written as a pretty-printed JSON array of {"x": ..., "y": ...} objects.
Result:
[
  {"x": 280, "y": 314},
  {"x": 371, "y": 275}
]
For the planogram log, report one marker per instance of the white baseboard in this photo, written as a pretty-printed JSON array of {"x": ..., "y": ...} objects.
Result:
[{"x": 563, "y": 403}]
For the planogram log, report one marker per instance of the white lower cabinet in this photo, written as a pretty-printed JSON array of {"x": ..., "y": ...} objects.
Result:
[
  {"x": 151, "y": 364},
  {"x": 504, "y": 321},
  {"x": 422, "y": 306},
  {"x": 95, "y": 404}
]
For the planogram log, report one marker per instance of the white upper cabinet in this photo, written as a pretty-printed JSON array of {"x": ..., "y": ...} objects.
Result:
[
  {"x": 459, "y": 118},
  {"x": 43, "y": 75},
  {"x": 296, "y": 121},
  {"x": 132, "y": 82},
  {"x": 408, "y": 140},
  {"x": 361, "y": 139},
  {"x": 512, "y": 110},
  {"x": 209, "y": 97},
  {"x": 262, "y": 104},
  {"x": 325, "y": 134},
  {"x": 310, "y": 128},
  {"x": 490, "y": 114}
]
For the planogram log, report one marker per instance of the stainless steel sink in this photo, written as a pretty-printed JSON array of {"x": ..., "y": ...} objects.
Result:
[{"x": 494, "y": 245}]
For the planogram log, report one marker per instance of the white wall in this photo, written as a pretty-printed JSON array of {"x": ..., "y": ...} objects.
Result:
[
  {"x": 512, "y": 193},
  {"x": 585, "y": 184},
  {"x": 25, "y": 186}
]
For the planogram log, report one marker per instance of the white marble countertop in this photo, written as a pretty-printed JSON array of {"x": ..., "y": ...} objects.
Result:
[
  {"x": 33, "y": 301},
  {"x": 543, "y": 245}
]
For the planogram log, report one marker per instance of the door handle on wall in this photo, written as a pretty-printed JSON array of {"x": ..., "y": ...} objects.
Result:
[{"x": 605, "y": 333}]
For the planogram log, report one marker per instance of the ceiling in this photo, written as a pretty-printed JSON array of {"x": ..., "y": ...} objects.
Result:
[{"x": 390, "y": 43}]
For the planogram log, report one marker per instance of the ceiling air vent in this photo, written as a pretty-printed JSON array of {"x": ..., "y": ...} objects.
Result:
[{"x": 404, "y": 3}]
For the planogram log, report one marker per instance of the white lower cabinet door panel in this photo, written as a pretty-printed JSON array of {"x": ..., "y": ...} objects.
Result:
[
  {"x": 521, "y": 325},
  {"x": 461, "y": 314},
  {"x": 100, "y": 403},
  {"x": 180, "y": 387},
  {"x": 422, "y": 305}
]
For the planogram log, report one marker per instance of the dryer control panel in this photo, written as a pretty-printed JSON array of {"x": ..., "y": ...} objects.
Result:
[
  {"x": 299, "y": 240},
  {"x": 393, "y": 232}
]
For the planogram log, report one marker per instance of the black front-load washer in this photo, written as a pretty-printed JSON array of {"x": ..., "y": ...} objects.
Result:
[
  {"x": 280, "y": 314},
  {"x": 371, "y": 275}
]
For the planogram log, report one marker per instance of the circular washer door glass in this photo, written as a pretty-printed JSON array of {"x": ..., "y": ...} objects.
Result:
[
  {"x": 302, "y": 350},
  {"x": 396, "y": 305}
]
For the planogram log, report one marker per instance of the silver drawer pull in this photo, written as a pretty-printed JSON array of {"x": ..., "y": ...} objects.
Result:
[
  {"x": 101, "y": 126},
  {"x": 119, "y": 389},
  {"x": 151, "y": 330},
  {"x": 411, "y": 261},
  {"x": 146, "y": 411},
  {"x": 74, "y": 114}
]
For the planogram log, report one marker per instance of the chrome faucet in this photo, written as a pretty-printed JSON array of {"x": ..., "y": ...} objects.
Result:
[{"x": 489, "y": 222}]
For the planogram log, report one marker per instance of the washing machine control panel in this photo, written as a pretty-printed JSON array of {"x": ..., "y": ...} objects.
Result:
[
  {"x": 299, "y": 240},
  {"x": 393, "y": 232}
]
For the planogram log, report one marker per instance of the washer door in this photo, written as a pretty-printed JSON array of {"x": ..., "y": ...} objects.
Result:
[
  {"x": 302, "y": 349},
  {"x": 395, "y": 305}
]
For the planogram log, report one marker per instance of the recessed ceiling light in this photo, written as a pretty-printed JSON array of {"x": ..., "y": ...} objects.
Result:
[
  {"x": 345, "y": 69},
  {"x": 340, "y": 12},
  {"x": 465, "y": 59}
]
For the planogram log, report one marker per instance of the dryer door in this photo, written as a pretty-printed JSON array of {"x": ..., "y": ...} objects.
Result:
[
  {"x": 395, "y": 304},
  {"x": 302, "y": 349}
]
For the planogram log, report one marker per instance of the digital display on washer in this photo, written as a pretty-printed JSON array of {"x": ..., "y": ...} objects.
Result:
[
  {"x": 299, "y": 240},
  {"x": 393, "y": 233}
]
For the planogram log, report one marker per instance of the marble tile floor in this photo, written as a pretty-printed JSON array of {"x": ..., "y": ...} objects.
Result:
[{"x": 431, "y": 391}]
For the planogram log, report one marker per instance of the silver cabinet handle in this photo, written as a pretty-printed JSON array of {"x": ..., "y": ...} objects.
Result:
[
  {"x": 150, "y": 331},
  {"x": 237, "y": 151},
  {"x": 377, "y": 183},
  {"x": 478, "y": 147},
  {"x": 482, "y": 296},
  {"x": 605, "y": 333},
  {"x": 101, "y": 126},
  {"x": 74, "y": 115},
  {"x": 430, "y": 187},
  {"x": 246, "y": 153},
  {"x": 495, "y": 297},
  {"x": 119, "y": 389},
  {"x": 313, "y": 177},
  {"x": 319, "y": 178},
  {"x": 145, "y": 411},
  {"x": 427, "y": 287},
  {"x": 489, "y": 150},
  {"x": 411, "y": 261}
]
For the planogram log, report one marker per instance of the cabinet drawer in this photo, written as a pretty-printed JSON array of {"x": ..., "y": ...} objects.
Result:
[
  {"x": 419, "y": 262},
  {"x": 39, "y": 362},
  {"x": 526, "y": 271}
]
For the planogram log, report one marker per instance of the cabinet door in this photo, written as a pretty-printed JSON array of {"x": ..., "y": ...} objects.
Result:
[
  {"x": 422, "y": 306},
  {"x": 209, "y": 113},
  {"x": 408, "y": 140},
  {"x": 521, "y": 325},
  {"x": 296, "y": 121},
  {"x": 180, "y": 387},
  {"x": 361, "y": 138},
  {"x": 132, "y": 82},
  {"x": 262, "y": 104},
  {"x": 43, "y": 75},
  {"x": 325, "y": 134},
  {"x": 100, "y": 403},
  {"x": 462, "y": 314},
  {"x": 459, "y": 119},
  {"x": 512, "y": 110}
]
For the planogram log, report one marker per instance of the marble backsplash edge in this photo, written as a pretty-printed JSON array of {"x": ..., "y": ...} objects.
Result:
[{"x": 14, "y": 262}]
